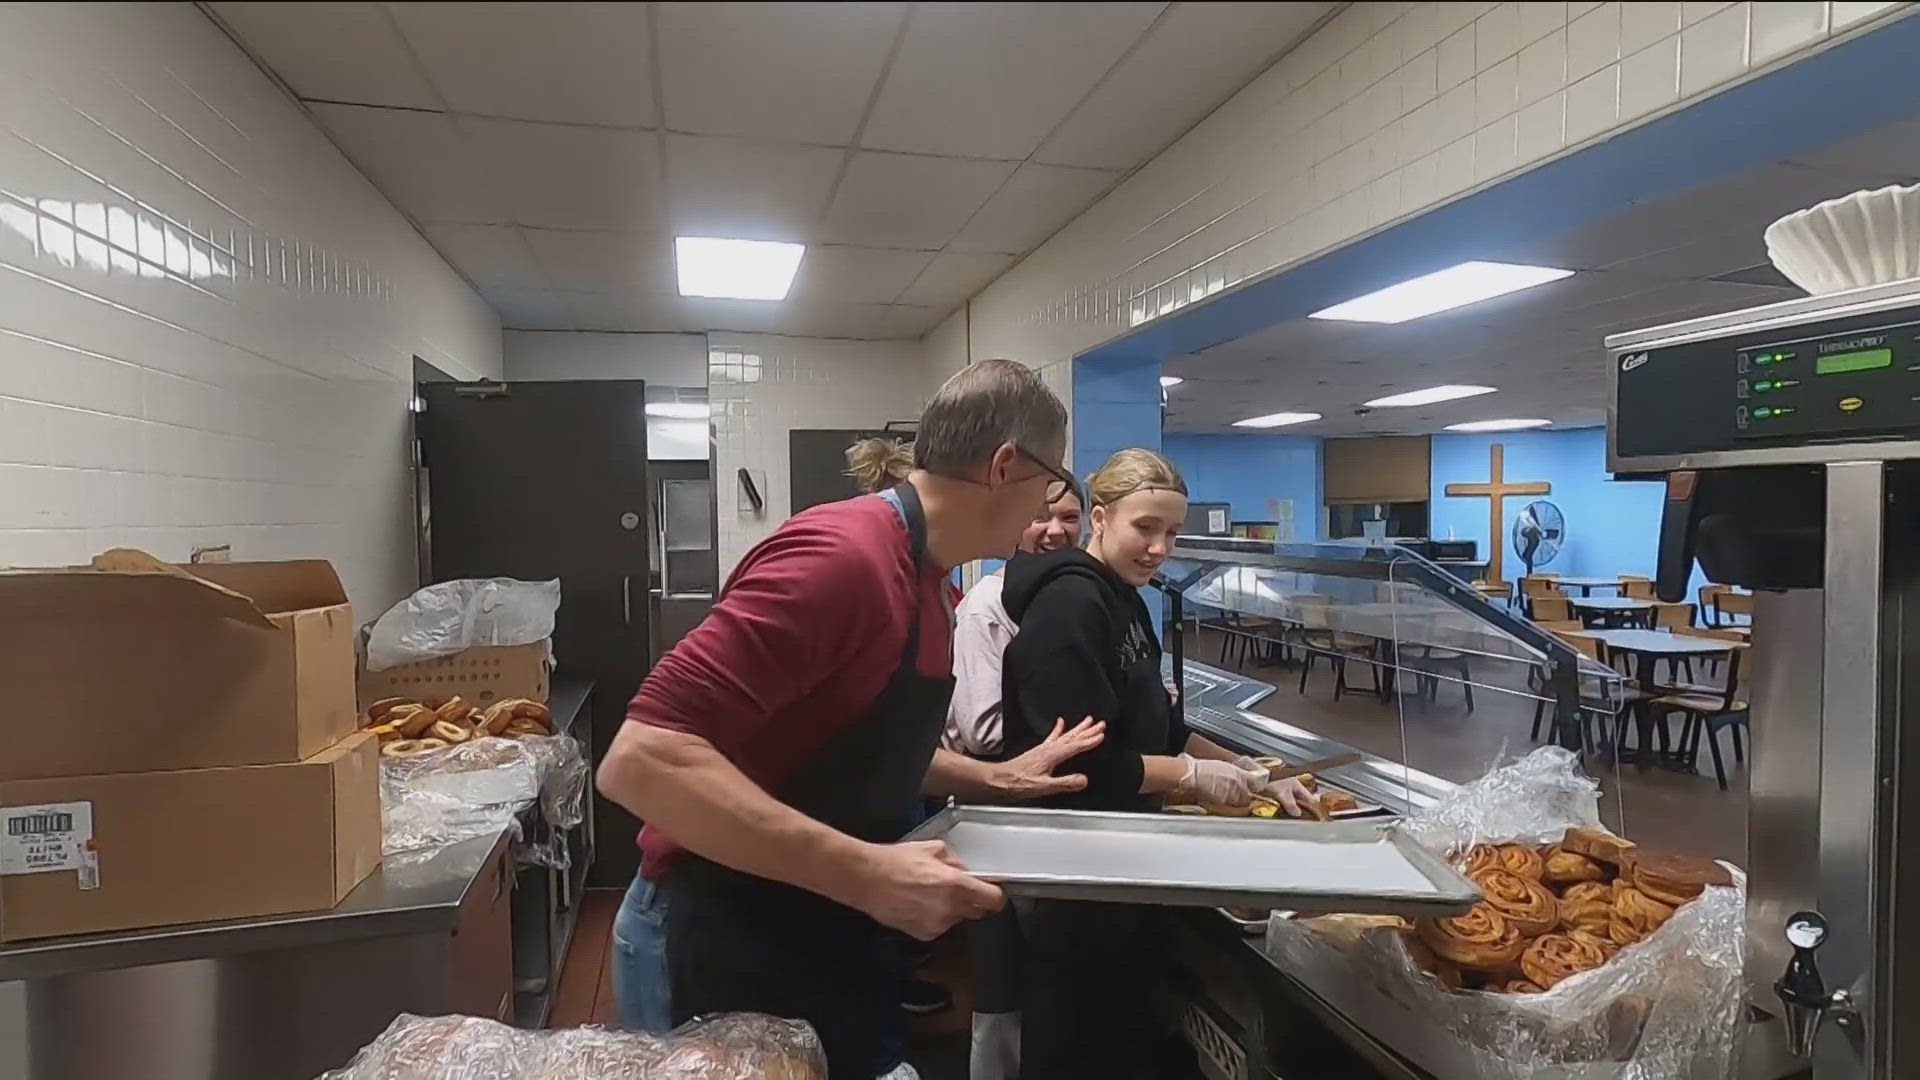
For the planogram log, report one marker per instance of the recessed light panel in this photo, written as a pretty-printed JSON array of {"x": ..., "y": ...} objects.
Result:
[
  {"x": 1456, "y": 286},
  {"x": 1279, "y": 419},
  {"x": 1428, "y": 396},
  {"x": 736, "y": 269},
  {"x": 1498, "y": 425}
]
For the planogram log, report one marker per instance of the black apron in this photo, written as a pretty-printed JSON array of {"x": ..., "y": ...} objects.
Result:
[{"x": 737, "y": 943}]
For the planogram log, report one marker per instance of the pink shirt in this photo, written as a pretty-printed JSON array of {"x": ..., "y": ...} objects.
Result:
[{"x": 981, "y": 631}]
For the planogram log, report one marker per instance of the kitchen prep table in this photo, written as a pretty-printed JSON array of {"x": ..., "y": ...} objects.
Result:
[{"x": 286, "y": 997}]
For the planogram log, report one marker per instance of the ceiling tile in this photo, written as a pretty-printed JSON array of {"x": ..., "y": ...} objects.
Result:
[
  {"x": 419, "y": 160},
  {"x": 906, "y": 201},
  {"x": 991, "y": 80},
  {"x": 1192, "y": 60},
  {"x": 489, "y": 255},
  {"x": 581, "y": 63},
  {"x": 1037, "y": 201},
  {"x": 337, "y": 52},
  {"x": 954, "y": 276},
  {"x": 529, "y": 309},
  {"x": 750, "y": 190},
  {"x": 594, "y": 261},
  {"x": 798, "y": 71},
  {"x": 566, "y": 177},
  {"x": 629, "y": 311},
  {"x": 835, "y": 273}
]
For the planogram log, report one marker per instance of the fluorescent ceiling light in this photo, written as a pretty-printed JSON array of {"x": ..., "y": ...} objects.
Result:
[
  {"x": 1498, "y": 425},
  {"x": 1429, "y": 396},
  {"x": 1456, "y": 286},
  {"x": 1170, "y": 380},
  {"x": 1279, "y": 419},
  {"x": 678, "y": 410},
  {"x": 736, "y": 269}
]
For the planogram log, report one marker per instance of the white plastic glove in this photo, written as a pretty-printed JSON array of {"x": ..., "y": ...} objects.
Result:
[
  {"x": 1293, "y": 797},
  {"x": 1249, "y": 764},
  {"x": 1220, "y": 783}
]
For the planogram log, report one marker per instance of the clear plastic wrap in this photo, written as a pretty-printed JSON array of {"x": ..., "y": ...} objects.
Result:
[
  {"x": 443, "y": 619},
  {"x": 1666, "y": 1008},
  {"x": 476, "y": 788},
  {"x": 734, "y": 1046}
]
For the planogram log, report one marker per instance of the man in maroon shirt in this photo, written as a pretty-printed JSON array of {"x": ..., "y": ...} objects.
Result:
[{"x": 776, "y": 751}]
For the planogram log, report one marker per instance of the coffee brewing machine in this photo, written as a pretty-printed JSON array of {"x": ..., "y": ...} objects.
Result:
[{"x": 1789, "y": 440}]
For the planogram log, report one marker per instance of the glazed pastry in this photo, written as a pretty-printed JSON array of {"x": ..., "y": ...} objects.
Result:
[
  {"x": 450, "y": 732},
  {"x": 1522, "y": 859},
  {"x": 1674, "y": 879},
  {"x": 1521, "y": 901},
  {"x": 1601, "y": 941},
  {"x": 1597, "y": 845},
  {"x": 1482, "y": 939},
  {"x": 1565, "y": 867},
  {"x": 412, "y": 721},
  {"x": 377, "y": 712},
  {"x": 1554, "y": 957},
  {"x": 1522, "y": 986},
  {"x": 1638, "y": 910},
  {"x": 384, "y": 732},
  {"x": 1480, "y": 857},
  {"x": 1335, "y": 802},
  {"x": 500, "y": 714},
  {"x": 452, "y": 707},
  {"x": 400, "y": 748},
  {"x": 1424, "y": 958},
  {"x": 432, "y": 744},
  {"x": 1587, "y": 906}
]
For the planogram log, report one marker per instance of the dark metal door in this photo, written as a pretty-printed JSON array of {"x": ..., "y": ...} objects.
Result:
[{"x": 539, "y": 480}]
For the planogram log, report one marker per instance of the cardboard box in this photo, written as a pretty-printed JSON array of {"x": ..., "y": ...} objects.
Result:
[
  {"x": 83, "y": 854},
  {"x": 482, "y": 675},
  {"x": 132, "y": 664}
]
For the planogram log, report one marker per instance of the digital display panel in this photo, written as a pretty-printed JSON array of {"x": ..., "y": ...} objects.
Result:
[{"x": 1864, "y": 360}]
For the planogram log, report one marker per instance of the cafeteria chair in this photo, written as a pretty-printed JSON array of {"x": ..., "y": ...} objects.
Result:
[
  {"x": 1562, "y": 626},
  {"x": 1735, "y": 603},
  {"x": 1636, "y": 588},
  {"x": 1595, "y": 650},
  {"x": 1706, "y": 714},
  {"x": 1551, "y": 609},
  {"x": 1709, "y": 596},
  {"x": 1673, "y": 618},
  {"x": 1495, "y": 590},
  {"x": 1317, "y": 638}
]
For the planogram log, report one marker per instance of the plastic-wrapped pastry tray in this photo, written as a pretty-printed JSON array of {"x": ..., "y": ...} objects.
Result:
[{"x": 1178, "y": 859}]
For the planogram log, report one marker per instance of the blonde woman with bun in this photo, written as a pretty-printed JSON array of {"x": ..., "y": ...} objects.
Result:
[
  {"x": 878, "y": 464},
  {"x": 1087, "y": 647}
]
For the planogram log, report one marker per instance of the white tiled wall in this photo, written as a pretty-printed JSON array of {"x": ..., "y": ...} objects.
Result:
[
  {"x": 207, "y": 316},
  {"x": 763, "y": 386},
  {"x": 1388, "y": 110},
  {"x": 660, "y": 359}
]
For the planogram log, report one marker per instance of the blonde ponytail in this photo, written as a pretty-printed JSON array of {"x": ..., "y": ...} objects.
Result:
[
  {"x": 1130, "y": 470},
  {"x": 878, "y": 464}
]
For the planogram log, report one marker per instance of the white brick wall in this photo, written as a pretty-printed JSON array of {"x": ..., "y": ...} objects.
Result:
[
  {"x": 1388, "y": 110},
  {"x": 660, "y": 359},
  {"x": 762, "y": 386},
  {"x": 207, "y": 316}
]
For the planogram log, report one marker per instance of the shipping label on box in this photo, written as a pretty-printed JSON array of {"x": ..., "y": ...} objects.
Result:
[{"x": 48, "y": 839}]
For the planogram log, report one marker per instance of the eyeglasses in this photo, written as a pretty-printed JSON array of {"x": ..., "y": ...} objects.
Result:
[{"x": 1062, "y": 481}]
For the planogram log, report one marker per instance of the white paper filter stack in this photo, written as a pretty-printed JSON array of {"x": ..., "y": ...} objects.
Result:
[{"x": 1866, "y": 238}]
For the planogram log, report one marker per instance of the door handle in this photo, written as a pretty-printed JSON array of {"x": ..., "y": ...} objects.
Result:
[{"x": 626, "y": 599}]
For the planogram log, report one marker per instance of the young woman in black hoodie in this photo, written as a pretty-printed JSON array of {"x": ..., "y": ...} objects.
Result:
[{"x": 1087, "y": 647}]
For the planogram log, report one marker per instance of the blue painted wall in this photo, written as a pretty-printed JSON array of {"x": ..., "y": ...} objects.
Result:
[
  {"x": 1247, "y": 470},
  {"x": 1116, "y": 404},
  {"x": 1613, "y": 526}
]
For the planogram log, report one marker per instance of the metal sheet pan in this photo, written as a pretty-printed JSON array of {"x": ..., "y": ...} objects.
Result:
[{"x": 1357, "y": 866}]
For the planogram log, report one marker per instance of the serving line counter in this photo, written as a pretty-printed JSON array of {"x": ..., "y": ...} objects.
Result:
[{"x": 465, "y": 929}]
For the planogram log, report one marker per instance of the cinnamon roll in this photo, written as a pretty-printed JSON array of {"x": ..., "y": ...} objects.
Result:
[
  {"x": 1551, "y": 958},
  {"x": 1522, "y": 901},
  {"x": 1481, "y": 940},
  {"x": 1565, "y": 867}
]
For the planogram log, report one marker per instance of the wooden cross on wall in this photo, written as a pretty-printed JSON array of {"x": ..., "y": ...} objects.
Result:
[{"x": 1495, "y": 492}]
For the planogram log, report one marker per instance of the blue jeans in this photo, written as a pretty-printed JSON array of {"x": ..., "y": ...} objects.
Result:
[{"x": 640, "y": 989}]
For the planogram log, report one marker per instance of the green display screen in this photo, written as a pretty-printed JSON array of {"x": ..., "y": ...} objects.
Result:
[{"x": 1865, "y": 360}]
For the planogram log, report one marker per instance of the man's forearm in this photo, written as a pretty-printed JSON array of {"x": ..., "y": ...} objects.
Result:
[
  {"x": 691, "y": 791},
  {"x": 957, "y": 774}
]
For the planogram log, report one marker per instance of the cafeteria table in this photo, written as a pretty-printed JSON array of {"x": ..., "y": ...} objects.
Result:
[
  {"x": 1615, "y": 611},
  {"x": 1586, "y": 585},
  {"x": 1651, "y": 647}
]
